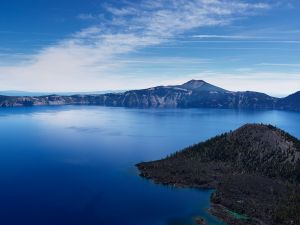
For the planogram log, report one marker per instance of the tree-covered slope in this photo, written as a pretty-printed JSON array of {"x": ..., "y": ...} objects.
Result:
[{"x": 255, "y": 169}]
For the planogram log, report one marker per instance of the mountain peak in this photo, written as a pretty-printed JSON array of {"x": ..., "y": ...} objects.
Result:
[
  {"x": 201, "y": 85},
  {"x": 194, "y": 84}
]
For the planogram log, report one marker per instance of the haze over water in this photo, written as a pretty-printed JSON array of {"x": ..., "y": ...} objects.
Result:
[{"x": 75, "y": 164}]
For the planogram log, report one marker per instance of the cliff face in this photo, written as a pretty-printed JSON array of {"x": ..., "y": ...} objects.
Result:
[
  {"x": 193, "y": 94},
  {"x": 254, "y": 169}
]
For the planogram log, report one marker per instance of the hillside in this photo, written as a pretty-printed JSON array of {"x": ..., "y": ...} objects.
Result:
[
  {"x": 192, "y": 94},
  {"x": 254, "y": 169},
  {"x": 290, "y": 102}
]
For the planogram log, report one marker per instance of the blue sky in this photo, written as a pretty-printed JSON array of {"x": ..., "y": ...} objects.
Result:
[{"x": 89, "y": 45}]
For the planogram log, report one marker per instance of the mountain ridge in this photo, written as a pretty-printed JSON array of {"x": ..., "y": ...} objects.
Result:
[{"x": 192, "y": 94}]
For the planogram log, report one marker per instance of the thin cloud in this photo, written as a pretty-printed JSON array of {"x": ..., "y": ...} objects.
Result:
[
  {"x": 165, "y": 60},
  {"x": 213, "y": 36},
  {"x": 87, "y": 16},
  {"x": 280, "y": 64},
  {"x": 87, "y": 59}
]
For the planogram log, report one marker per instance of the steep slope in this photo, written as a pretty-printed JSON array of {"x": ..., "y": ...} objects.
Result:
[
  {"x": 228, "y": 100},
  {"x": 155, "y": 97},
  {"x": 290, "y": 102},
  {"x": 255, "y": 169}
]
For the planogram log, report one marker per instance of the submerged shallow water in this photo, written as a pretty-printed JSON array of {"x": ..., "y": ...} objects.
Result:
[{"x": 75, "y": 164}]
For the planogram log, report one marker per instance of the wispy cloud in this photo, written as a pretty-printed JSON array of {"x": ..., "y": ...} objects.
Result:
[
  {"x": 280, "y": 64},
  {"x": 213, "y": 36},
  {"x": 165, "y": 60},
  {"x": 87, "y": 60},
  {"x": 87, "y": 16}
]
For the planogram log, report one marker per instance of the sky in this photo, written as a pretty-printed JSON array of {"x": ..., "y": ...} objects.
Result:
[{"x": 96, "y": 45}]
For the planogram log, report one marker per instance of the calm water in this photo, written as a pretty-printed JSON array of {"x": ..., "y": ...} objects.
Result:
[{"x": 74, "y": 165}]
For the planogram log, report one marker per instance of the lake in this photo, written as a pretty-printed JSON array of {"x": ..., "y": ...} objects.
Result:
[{"x": 75, "y": 164}]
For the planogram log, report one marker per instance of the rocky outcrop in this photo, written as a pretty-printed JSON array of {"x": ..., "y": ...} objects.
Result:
[{"x": 193, "y": 94}]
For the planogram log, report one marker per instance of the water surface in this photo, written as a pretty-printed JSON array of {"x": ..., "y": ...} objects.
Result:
[{"x": 75, "y": 164}]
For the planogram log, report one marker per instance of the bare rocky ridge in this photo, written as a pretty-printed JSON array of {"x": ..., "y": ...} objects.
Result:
[
  {"x": 254, "y": 169},
  {"x": 192, "y": 94}
]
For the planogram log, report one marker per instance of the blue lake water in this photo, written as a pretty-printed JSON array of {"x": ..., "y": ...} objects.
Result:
[{"x": 75, "y": 164}]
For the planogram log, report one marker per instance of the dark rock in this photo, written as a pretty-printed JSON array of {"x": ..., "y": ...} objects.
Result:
[{"x": 200, "y": 221}]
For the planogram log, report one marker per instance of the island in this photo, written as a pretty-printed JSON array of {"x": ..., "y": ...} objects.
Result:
[{"x": 254, "y": 171}]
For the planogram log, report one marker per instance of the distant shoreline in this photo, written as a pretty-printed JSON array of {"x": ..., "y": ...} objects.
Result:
[{"x": 193, "y": 94}]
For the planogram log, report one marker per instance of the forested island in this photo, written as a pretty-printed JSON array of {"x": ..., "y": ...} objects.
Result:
[
  {"x": 255, "y": 171},
  {"x": 192, "y": 94}
]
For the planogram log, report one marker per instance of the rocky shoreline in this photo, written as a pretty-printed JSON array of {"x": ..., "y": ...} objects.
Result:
[
  {"x": 231, "y": 194},
  {"x": 255, "y": 172}
]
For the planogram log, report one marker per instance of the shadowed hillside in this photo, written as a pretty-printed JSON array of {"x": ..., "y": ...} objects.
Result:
[{"x": 254, "y": 169}]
